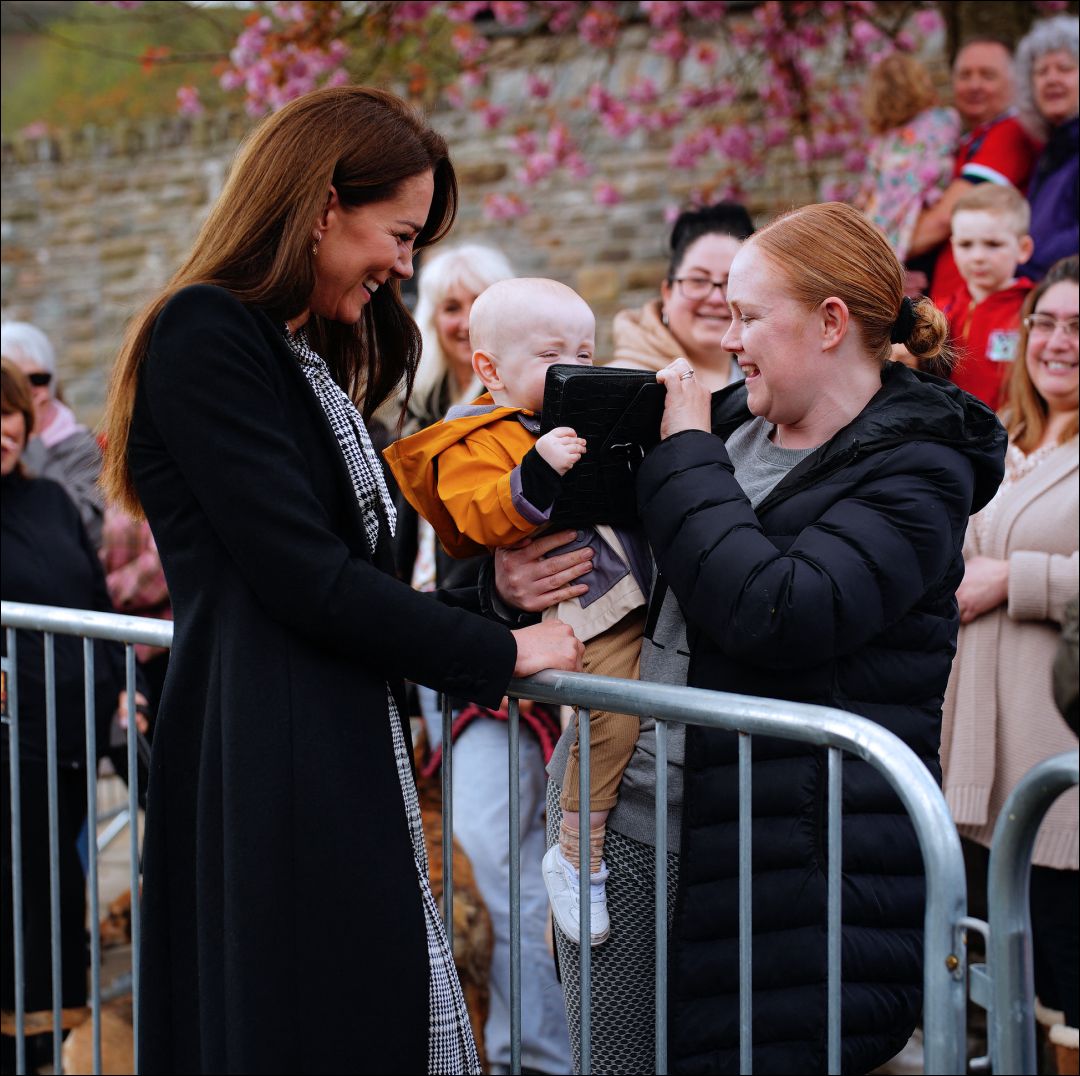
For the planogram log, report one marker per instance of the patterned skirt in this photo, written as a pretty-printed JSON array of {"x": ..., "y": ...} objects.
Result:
[
  {"x": 451, "y": 1049},
  {"x": 624, "y": 967}
]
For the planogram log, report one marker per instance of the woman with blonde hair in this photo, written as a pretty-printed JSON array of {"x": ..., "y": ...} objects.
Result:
[
  {"x": 449, "y": 283},
  {"x": 1021, "y": 568},
  {"x": 806, "y": 525},
  {"x": 288, "y": 920},
  {"x": 911, "y": 158}
]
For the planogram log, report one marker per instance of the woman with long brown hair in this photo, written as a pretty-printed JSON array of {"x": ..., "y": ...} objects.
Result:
[
  {"x": 1021, "y": 564},
  {"x": 288, "y": 923}
]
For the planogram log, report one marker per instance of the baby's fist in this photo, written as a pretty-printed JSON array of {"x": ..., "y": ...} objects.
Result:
[{"x": 561, "y": 448}]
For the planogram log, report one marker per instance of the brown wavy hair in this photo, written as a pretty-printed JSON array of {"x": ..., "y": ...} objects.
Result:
[
  {"x": 1025, "y": 413},
  {"x": 898, "y": 89},
  {"x": 832, "y": 249},
  {"x": 17, "y": 398},
  {"x": 256, "y": 244}
]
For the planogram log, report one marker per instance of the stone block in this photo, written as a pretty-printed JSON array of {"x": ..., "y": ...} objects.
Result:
[{"x": 597, "y": 283}]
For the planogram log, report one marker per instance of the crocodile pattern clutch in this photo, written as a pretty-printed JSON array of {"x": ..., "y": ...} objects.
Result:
[{"x": 618, "y": 413}]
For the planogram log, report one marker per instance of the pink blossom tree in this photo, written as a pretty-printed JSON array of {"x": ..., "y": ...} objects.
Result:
[{"x": 731, "y": 82}]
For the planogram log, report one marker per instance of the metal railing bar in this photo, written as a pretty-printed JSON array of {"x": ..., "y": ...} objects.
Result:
[
  {"x": 18, "y": 918},
  {"x": 661, "y": 896},
  {"x": 1009, "y": 951},
  {"x": 133, "y": 808},
  {"x": 514, "y": 762},
  {"x": 946, "y": 887},
  {"x": 584, "y": 903},
  {"x": 53, "y": 792},
  {"x": 446, "y": 774},
  {"x": 116, "y": 627},
  {"x": 746, "y": 923},
  {"x": 90, "y": 706},
  {"x": 835, "y": 841}
]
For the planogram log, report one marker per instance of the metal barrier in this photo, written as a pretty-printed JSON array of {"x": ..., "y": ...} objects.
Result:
[
  {"x": 836, "y": 731},
  {"x": 88, "y": 625},
  {"x": 1005, "y": 985}
]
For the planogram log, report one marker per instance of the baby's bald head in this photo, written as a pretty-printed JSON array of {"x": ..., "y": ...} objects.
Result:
[
  {"x": 505, "y": 311},
  {"x": 521, "y": 326}
]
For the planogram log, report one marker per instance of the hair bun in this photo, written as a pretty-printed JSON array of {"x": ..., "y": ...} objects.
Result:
[{"x": 928, "y": 334}]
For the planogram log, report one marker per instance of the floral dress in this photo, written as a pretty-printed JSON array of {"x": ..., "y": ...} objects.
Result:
[{"x": 907, "y": 171}]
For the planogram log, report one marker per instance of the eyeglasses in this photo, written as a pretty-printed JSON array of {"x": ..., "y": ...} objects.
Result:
[
  {"x": 39, "y": 378},
  {"x": 1045, "y": 324},
  {"x": 699, "y": 288}
]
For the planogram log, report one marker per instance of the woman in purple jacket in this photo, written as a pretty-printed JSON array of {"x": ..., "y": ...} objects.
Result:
[{"x": 1049, "y": 81}]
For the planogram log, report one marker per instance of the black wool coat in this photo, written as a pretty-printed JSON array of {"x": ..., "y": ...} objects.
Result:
[
  {"x": 283, "y": 929},
  {"x": 838, "y": 590}
]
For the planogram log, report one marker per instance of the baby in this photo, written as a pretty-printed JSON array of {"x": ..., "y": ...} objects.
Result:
[{"x": 484, "y": 479}]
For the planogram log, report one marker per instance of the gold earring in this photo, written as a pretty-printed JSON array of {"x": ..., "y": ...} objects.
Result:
[{"x": 315, "y": 246}]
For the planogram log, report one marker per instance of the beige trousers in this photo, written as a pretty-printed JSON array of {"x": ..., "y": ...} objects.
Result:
[{"x": 614, "y": 652}]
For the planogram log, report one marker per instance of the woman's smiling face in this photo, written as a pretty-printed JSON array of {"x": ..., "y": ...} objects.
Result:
[
  {"x": 363, "y": 247},
  {"x": 771, "y": 335},
  {"x": 1053, "y": 358},
  {"x": 699, "y": 325}
]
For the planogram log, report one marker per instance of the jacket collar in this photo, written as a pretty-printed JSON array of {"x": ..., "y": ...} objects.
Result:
[{"x": 909, "y": 406}]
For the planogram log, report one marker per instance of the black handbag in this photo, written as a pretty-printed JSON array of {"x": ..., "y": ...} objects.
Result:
[{"x": 618, "y": 413}]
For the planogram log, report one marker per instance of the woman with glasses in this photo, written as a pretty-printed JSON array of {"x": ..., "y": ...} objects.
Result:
[
  {"x": 1021, "y": 568},
  {"x": 62, "y": 449},
  {"x": 692, "y": 314}
]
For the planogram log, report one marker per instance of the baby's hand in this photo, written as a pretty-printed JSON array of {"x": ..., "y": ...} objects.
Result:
[{"x": 561, "y": 448}]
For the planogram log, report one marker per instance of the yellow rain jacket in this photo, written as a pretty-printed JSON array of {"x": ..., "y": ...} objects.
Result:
[{"x": 457, "y": 475}]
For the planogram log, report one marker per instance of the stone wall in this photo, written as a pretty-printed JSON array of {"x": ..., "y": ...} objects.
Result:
[{"x": 93, "y": 223}]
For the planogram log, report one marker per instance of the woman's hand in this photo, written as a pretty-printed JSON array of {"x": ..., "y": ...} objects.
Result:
[
  {"x": 526, "y": 578},
  {"x": 687, "y": 406},
  {"x": 142, "y": 723},
  {"x": 550, "y": 645},
  {"x": 985, "y": 586}
]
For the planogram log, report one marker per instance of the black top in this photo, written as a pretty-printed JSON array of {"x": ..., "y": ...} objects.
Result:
[
  {"x": 837, "y": 589},
  {"x": 280, "y": 891},
  {"x": 48, "y": 560}
]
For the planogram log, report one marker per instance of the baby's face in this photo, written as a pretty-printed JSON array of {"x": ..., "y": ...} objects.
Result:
[{"x": 557, "y": 331}]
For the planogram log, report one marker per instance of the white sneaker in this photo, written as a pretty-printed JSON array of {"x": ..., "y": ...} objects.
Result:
[{"x": 561, "y": 880}]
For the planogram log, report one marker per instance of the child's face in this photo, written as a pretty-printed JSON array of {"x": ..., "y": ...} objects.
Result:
[
  {"x": 559, "y": 331},
  {"x": 987, "y": 249}
]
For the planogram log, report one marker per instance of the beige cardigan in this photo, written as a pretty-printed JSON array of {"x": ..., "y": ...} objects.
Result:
[{"x": 999, "y": 717}]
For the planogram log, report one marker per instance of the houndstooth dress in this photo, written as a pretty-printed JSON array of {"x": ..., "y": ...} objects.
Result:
[{"x": 451, "y": 1048}]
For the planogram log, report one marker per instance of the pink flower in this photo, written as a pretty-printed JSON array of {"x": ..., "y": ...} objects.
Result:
[
  {"x": 662, "y": 13},
  {"x": 563, "y": 14},
  {"x": 538, "y": 87},
  {"x": 510, "y": 13},
  {"x": 865, "y": 33},
  {"x": 37, "y": 129},
  {"x": 493, "y": 115},
  {"x": 525, "y": 142},
  {"x": 706, "y": 10},
  {"x": 672, "y": 43},
  {"x": 606, "y": 194},
  {"x": 928, "y": 21},
  {"x": 501, "y": 207},
  {"x": 187, "y": 101},
  {"x": 643, "y": 91}
]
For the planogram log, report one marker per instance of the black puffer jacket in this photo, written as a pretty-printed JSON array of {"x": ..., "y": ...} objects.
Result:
[{"x": 838, "y": 590}]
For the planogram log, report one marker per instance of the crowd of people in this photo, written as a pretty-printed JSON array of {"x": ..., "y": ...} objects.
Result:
[{"x": 864, "y": 495}]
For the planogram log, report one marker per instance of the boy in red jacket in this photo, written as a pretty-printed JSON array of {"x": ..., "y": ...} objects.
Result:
[{"x": 989, "y": 240}]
